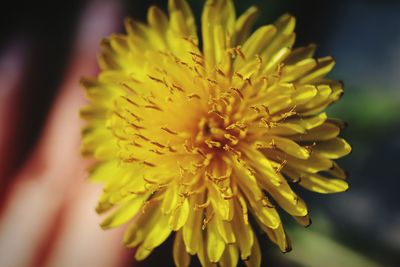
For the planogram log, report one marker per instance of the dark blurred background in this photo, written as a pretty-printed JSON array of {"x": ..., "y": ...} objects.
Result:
[{"x": 358, "y": 228}]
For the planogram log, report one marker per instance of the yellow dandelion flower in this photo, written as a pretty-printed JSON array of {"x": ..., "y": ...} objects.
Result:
[{"x": 193, "y": 139}]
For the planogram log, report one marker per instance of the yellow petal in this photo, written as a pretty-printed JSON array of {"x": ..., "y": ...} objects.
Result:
[
  {"x": 221, "y": 201},
  {"x": 93, "y": 139},
  {"x": 267, "y": 215},
  {"x": 142, "y": 253},
  {"x": 313, "y": 121},
  {"x": 320, "y": 184},
  {"x": 91, "y": 114},
  {"x": 158, "y": 234},
  {"x": 286, "y": 145},
  {"x": 243, "y": 232},
  {"x": 324, "y": 65},
  {"x": 244, "y": 25},
  {"x": 158, "y": 20},
  {"x": 333, "y": 149},
  {"x": 97, "y": 91},
  {"x": 170, "y": 199},
  {"x": 338, "y": 122},
  {"x": 141, "y": 37},
  {"x": 313, "y": 164},
  {"x": 337, "y": 172},
  {"x": 255, "y": 258},
  {"x": 202, "y": 254},
  {"x": 192, "y": 232},
  {"x": 107, "y": 59},
  {"x": 291, "y": 73},
  {"x": 262, "y": 165},
  {"x": 285, "y": 197},
  {"x": 105, "y": 172},
  {"x": 224, "y": 207},
  {"x": 258, "y": 41},
  {"x": 107, "y": 150},
  {"x": 326, "y": 94},
  {"x": 323, "y": 132},
  {"x": 104, "y": 204},
  {"x": 276, "y": 58},
  {"x": 230, "y": 257},
  {"x": 124, "y": 213},
  {"x": 322, "y": 100},
  {"x": 181, "y": 18},
  {"x": 215, "y": 243},
  {"x": 247, "y": 182},
  {"x": 287, "y": 129},
  {"x": 181, "y": 257},
  {"x": 179, "y": 216},
  {"x": 284, "y": 38},
  {"x": 139, "y": 228},
  {"x": 281, "y": 44},
  {"x": 216, "y": 14},
  {"x": 300, "y": 54},
  {"x": 119, "y": 44},
  {"x": 303, "y": 220},
  {"x": 278, "y": 103},
  {"x": 279, "y": 237},
  {"x": 226, "y": 231},
  {"x": 285, "y": 24},
  {"x": 303, "y": 94}
]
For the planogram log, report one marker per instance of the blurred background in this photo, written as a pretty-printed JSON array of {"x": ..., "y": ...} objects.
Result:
[{"x": 358, "y": 228}]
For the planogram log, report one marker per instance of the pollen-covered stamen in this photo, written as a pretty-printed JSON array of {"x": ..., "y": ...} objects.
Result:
[
  {"x": 310, "y": 148},
  {"x": 214, "y": 136},
  {"x": 281, "y": 166},
  {"x": 207, "y": 219}
]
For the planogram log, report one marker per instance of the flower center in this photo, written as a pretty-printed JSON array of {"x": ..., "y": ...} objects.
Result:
[{"x": 216, "y": 134}]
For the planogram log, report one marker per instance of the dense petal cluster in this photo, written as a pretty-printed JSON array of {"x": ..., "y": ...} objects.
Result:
[{"x": 193, "y": 139}]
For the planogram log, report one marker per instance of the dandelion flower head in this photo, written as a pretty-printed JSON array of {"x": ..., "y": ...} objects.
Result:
[{"x": 205, "y": 140}]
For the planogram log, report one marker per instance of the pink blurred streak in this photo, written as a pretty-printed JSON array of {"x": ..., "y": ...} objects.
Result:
[{"x": 49, "y": 218}]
